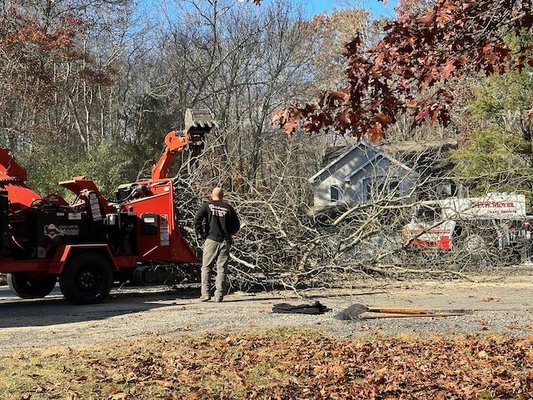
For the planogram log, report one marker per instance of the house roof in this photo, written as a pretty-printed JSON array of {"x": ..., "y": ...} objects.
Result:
[
  {"x": 356, "y": 171},
  {"x": 332, "y": 153},
  {"x": 428, "y": 158},
  {"x": 347, "y": 151},
  {"x": 378, "y": 154},
  {"x": 418, "y": 146}
]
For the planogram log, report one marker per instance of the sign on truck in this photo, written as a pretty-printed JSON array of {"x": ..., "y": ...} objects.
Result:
[{"x": 448, "y": 223}]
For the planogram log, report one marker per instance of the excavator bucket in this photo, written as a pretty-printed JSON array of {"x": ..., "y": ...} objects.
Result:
[
  {"x": 199, "y": 119},
  {"x": 198, "y": 122}
]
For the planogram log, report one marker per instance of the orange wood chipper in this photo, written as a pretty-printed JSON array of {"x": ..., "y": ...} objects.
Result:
[{"x": 91, "y": 242}]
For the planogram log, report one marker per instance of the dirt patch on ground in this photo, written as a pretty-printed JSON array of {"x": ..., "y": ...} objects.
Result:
[{"x": 502, "y": 306}]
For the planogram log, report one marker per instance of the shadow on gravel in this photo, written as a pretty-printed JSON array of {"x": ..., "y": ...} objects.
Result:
[
  {"x": 54, "y": 310},
  {"x": 303, "y": 298}
]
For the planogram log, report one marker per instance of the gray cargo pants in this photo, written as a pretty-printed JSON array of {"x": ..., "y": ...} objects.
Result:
[{"x": 215, "y": 252}]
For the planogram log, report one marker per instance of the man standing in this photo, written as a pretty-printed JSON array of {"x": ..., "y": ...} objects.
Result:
[{"x": 216, "y": 222}]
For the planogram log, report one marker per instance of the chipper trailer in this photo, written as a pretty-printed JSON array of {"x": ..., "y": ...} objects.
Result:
[{"x": 90, "y": 242}]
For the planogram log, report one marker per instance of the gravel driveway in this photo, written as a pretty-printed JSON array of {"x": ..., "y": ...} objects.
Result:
[{"x": 504, "y": 306}]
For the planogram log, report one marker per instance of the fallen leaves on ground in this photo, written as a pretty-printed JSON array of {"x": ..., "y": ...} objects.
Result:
[{"x": 280, "y": 365}]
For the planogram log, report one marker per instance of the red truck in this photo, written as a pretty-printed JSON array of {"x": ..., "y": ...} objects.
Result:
[{"x": 90, "y": 242}]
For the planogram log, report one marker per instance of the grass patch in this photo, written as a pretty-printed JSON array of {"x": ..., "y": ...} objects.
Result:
[{"x": 284, "y": 363}]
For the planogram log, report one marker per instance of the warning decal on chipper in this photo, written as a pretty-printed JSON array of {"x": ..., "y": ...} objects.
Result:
[
  {"x": 163, "y": 231},
  {"x": 53, "y": 231}
]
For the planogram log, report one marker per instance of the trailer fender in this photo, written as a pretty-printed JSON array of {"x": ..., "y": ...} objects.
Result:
[{"x": 64, "y": 253}]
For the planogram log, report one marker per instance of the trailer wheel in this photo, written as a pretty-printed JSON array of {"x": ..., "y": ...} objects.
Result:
[
  {"x": 475, "y": 244},
  {"x": 30, "y": 286},
  {"x": 86, "y": 279},
  {"x": 478, "y": 245}
]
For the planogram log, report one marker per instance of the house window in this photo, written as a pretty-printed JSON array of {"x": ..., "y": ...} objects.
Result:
[
  {"x": 367, "y": 189},
  {"x": 394, "y": 186},
  {"x": 335, "y": 194}
]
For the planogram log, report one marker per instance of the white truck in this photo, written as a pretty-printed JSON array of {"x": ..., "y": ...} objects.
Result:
[{"x": 496, "y": 220}]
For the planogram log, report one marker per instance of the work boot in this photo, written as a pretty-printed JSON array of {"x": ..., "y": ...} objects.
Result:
[
  {"x": 205, "y": 298},
  {"x": 219, "y": 299}
]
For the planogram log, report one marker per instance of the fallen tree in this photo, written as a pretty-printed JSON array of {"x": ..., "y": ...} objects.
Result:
[{"x": 284, "y": 242}]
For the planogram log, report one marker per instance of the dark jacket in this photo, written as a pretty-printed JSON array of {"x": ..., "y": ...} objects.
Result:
[{"x": 216, "y": 220}]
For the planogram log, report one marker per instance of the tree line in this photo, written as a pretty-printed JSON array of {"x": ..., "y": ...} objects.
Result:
[{"x": 90, "y": 87}]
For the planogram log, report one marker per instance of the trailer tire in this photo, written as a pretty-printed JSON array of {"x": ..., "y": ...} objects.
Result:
[
  {"x": 86, "y": 279},
  {"x": 29, "y": 286},
  {"x": 475, "y": 244}
]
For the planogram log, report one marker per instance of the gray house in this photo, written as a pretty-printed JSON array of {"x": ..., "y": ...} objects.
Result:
[{"x": 361, "y": 174}]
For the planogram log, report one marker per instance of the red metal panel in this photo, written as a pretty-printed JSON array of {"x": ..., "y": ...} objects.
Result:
[
  {"x": 12, "y": 177},
  {"x": 63, "y": 254},
  {"x": 125, "y": 262},
  {"x": 79, "y": 183},
  {"x": 9, "y": 168},
  {"x": 168, "y": 244},
  {"x": 56, "y": 265},
  {"x": 9, "y": 265},
  {"x": 20, "y": 196}
]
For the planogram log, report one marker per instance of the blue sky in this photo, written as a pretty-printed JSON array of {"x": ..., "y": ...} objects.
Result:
[
  {"x": 314, "y": 7},
  {"x": 377, "y": 8}
]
